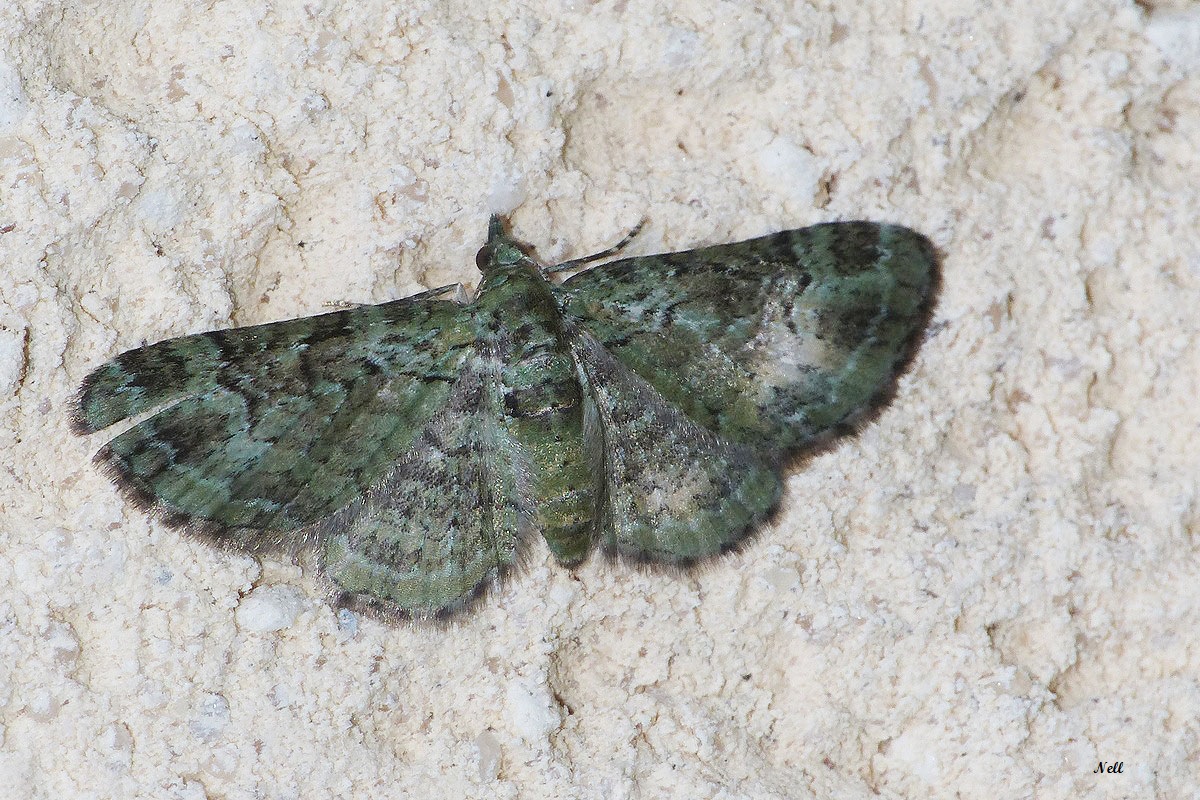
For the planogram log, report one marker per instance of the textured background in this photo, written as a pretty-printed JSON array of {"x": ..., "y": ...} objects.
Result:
[{"x": 990, "y": 590}]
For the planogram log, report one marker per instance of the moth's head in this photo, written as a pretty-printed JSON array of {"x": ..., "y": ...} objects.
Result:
[{"x": 501, "y": 250}]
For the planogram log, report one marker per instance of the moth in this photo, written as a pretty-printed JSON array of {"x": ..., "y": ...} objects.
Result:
[{"x": 647, "y": 406}]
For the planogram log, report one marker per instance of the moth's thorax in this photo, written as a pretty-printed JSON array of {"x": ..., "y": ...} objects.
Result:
[
  {"x": 521, "y": 274},
  {"x": 516, "y": 292}
]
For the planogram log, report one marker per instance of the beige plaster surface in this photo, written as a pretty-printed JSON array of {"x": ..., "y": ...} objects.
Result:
[{"x": 992, "y": 589}]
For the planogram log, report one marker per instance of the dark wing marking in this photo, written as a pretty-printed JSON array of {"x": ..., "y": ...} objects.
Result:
[
  {"x": 448, "y": 519},
  {"x": 274, "y": 427},
  {"x": 772, "y": 342}
]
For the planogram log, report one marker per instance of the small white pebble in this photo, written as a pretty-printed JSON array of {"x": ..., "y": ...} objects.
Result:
[
  {"x": 211, "y": 717},
  {"x": 488, "y": 745},
  {"x": 270, "y": 608},
  {"x": 533, "y": 711}
]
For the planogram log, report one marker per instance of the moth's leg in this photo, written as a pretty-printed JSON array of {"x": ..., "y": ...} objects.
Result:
[
  {"x": 576, "y": 263},
  {"x": 456, "y": 291}
]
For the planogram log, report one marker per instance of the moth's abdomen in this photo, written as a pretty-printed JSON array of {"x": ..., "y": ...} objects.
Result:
[{"x": 543, "y": 410}]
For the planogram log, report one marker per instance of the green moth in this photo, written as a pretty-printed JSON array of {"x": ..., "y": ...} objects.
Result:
[{"x": 647, "y": 405}]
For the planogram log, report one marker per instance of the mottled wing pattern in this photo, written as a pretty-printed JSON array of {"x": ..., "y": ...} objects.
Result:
[
  {"x": 768, "y": 346},
  {"x": 448, "y": 519},
  {"x": 267, "y": 429},
  {"x": 672, "y": 491},
  {"x": 772, "y": 341}
]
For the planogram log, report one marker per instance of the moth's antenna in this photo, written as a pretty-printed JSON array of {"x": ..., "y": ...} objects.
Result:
[{"x": 575, "y": 263}]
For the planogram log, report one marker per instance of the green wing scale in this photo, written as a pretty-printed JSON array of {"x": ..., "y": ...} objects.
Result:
[
  {"x": 647, "y": 406},
  {"x": 274, "y": 427},
  {"x": 771, "y": 342},
  {"x": 447, "y": 520}
]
